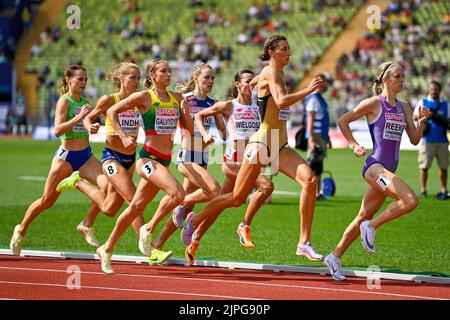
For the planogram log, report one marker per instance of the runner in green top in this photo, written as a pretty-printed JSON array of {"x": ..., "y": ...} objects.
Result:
[
  {"x": 75, "y": 107},
  {"x": 74, "y": 153},
  {"x": 161, "y": 110}
]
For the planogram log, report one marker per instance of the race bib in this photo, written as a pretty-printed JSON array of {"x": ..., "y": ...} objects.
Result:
[
  {"x": 181, "y": 155},
  {"x": 207, "y": 121},
  {"x": 395, "y": 124},
  {"x": 130, "y": 121},
  {"x": 250, "y": 154},
  {"x": 166, "y": 120},
  {"x": 229, "y": 153},
  {"x": 79, "y": 127},
  {"x": 62, "y": 153},
  {"x": 148, "y": 169},
  {"x": 284, "y": 114},
  {"x": 111, "y": 168}
]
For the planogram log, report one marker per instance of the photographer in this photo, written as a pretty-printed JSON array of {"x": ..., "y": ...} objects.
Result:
[
  {"x": 434, "y": 142},
  {"x": 317, "y": 127}
]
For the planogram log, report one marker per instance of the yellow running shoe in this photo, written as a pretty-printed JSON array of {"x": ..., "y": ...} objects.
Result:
[
  {"x": 243, "y": 231},
  {"x": 16, "y": 241},
  {"x": 69, "y": 182},
  {"x": 190, "y": 252},
  {"x": 158, "y": 256},
  {"x": 105, "y": 259}
]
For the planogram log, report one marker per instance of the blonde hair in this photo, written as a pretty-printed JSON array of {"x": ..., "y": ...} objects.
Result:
[
  {"x": 120, "y": 70},
  {"x": 189, "y": 85},
  {"x": 382, "y": 71},
  {"x": 69, "y": 73},
  {"x": 150, "y": 70}
]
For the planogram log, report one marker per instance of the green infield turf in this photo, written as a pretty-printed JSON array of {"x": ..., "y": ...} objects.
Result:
[{"x": 417, "y": 243}]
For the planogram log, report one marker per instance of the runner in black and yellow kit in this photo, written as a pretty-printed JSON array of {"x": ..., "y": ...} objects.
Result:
[
  {"x": 161, "y": 110},
  {"x": 268, "y": 144}
]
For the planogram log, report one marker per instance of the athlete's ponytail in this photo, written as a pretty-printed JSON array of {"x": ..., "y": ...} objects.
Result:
[
  {"x": 69, "y": 73},
  {"x": 270, "y": 44},
  {"x": 150, "y": 70},
  {"x": 189, "y": 85}
]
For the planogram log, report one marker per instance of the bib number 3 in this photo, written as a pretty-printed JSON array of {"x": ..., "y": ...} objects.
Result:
[{"x": 148, "y": 169}]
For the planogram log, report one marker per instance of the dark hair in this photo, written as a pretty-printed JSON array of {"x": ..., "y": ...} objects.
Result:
[
  {"x": 270, "y": 44},
  {"x": 69, "y": 73},
  {"x": 436, "y": 83},
  {"x": 151, "y": 68},
  {"x": 238, "y": 78}
]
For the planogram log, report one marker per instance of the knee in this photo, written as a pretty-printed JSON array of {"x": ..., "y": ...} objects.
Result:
[
  {"x": 177, "y": 195},
  {"x": 267, "y": 188},
  {"x": 46, "y": 203},
  {"x": 363, "y": 216},
  {"x": 135, "y": 209},
  {"x": 309, "y": 182},
  {"x": 213, "y": 192},
  {"x": 410, "y": 202},
  {"x": 238, "y": 200}
]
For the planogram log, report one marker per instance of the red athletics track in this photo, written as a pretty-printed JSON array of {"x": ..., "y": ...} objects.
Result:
[{"x": 47, "y": 278}]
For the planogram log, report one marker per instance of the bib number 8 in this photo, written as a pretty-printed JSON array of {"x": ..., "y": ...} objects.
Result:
[{"x": 111, "y": 169}]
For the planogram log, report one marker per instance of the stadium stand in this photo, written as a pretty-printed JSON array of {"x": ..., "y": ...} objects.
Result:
[
  {"x": 413, "y": 33},
  {"x": 228, "y": 34}
]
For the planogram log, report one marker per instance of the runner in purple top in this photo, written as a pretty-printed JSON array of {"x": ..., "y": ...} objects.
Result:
[
  {"x": 386, "y": 132},
  {"x": 387, "y": 118}
]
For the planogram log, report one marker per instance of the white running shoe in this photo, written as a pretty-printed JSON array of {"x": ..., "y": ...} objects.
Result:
[
  {"x": 308, "y": 251},
  {"x": 88, "y": 234},
  {"x": 16, "y": 241},
  {"x": 367, "y": 236},
  {"x": 145, "y": 241},
  {"x": 105, "y": 259},
  {"x": 334, "y": 265},
  {"x": 178, "y": 217}
]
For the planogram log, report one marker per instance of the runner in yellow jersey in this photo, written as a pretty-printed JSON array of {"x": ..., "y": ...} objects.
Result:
[
  {"x": 161, "y": 110},
  {"x": 268, "y": 144},
  {"x": 117, "y": 161}
]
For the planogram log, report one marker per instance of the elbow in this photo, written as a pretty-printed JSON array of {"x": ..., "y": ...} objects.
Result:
[
  {"x": 340, "y": 123},
  {"x": 58, "y": 132}
]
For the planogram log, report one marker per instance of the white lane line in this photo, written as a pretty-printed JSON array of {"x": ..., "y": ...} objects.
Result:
[
  {"x": 129, "y": 290},
  {"x": 32, "y": 178},
  {"x": 237, "y": 282},
  {"x": 286, "y": 193}
]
